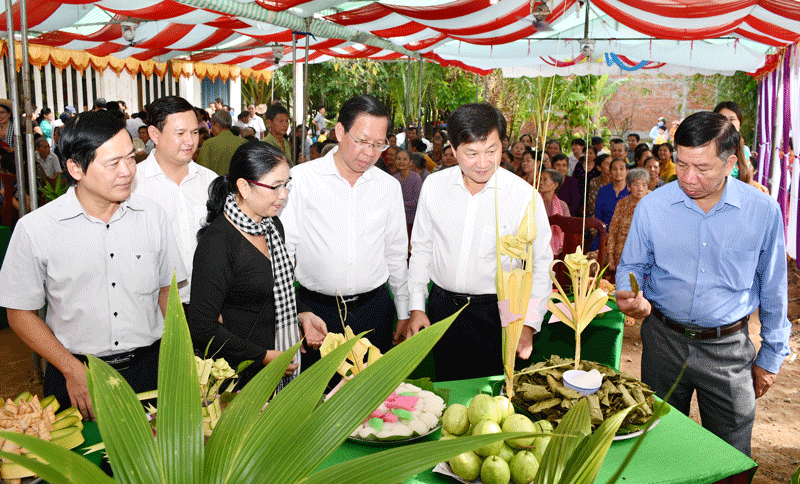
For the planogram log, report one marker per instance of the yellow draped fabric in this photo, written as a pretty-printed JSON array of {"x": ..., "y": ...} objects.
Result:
[{"x": 41, "y": 55}]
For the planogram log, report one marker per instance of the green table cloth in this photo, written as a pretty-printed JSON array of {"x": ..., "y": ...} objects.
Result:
[{"x": 677, "y": 450}]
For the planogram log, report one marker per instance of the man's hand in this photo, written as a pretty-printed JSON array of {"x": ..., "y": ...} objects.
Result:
[
  {"x": 525, "y": 346},
  {"x": 78, "y": 389},
  {"x": 418, "y": 321},
  {"x": 762, "y": 380},
  {"x": 633, "y": 305},
  {"x": 314, "y": 330},
  {"x": 272, "y": 354},
  {"x": 400, "y": 331}
]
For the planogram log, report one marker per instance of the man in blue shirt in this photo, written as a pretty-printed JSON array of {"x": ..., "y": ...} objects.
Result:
[{"x": 708, "y": 251}]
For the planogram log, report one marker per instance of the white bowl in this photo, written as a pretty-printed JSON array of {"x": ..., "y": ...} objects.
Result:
[{"x": 585, "y": 383}]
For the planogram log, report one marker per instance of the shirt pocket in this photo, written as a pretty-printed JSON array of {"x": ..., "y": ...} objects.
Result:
[
  {"x": 487, "y": 248},
  {"x": 143, "y": 272},
  {"x": 737, "y": 268}
]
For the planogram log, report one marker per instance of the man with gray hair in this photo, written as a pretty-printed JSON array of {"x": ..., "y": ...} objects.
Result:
[
  {"x": 217, "y": 152},
  {"x": 708, "y": 251}
]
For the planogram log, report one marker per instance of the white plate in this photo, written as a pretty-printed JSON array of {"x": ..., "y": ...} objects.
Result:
[
  {"x": 633, "y": 435},
  {"x": 392, "y": 441}
]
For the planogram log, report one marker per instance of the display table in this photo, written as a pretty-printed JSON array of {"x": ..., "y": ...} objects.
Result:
[{"x": 676, "y": 451}]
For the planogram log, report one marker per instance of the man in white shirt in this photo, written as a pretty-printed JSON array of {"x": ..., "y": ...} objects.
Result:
[
  {"x": 453, "y": 244},
  {"x": 345, "y": 225},
  {"x": 169, "y": 177},
  {"x": 256, "y": 122},
  {"x": 101, "y": 258}
]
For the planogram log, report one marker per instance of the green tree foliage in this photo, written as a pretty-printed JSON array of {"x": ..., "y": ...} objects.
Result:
[
  {"x": 554, "y": 107},
  {"x": 741, "y": 88},
  {"x": 331, "y": 83}
]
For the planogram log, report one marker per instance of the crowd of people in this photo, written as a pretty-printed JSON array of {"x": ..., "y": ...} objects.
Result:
[{"x": 382, "y": 233}]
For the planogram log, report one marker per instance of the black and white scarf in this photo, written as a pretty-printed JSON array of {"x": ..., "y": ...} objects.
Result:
[{"x": 286, "y": 323}]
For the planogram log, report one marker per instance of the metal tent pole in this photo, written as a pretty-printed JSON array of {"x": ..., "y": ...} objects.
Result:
[
  {"x": 26, "y": 93},
  {"x": 408, "y": 101},
  {"x": 419, "y": 96},
  {"x": 294, "y": 93},
  {"x": 305, "y": 91},
  {"x": 12, "y": 76}
]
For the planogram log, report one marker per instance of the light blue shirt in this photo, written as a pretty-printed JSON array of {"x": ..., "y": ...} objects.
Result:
[{"x": 712, "y": 269}]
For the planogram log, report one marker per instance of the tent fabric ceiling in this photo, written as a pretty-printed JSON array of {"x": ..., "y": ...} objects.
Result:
[{"x": 637, "y": 36}]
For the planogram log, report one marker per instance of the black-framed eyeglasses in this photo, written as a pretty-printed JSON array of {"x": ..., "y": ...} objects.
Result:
[
  {"x": 379, "y": 147},
  {"x": 274, "y": 187}
]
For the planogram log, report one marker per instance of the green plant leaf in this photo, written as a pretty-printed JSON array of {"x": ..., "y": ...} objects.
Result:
[
  {"x": 796, "y": 476},
  {"x": 179, "y": 425},
  {"x": 330, "y": 424},
  {"x": 63, "y": 465},
  {"x": 120, "y": 417},
  {"x": 400, "y": 463},
  {"x": 585, "y": 462},
  {"x": 577, "y": 424},
  {"x": 287, "y": 411},
  {"x": 226, "y": 440}
]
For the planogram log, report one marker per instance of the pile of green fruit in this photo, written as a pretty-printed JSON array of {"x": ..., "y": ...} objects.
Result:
[{"x": 513, "y": 460}]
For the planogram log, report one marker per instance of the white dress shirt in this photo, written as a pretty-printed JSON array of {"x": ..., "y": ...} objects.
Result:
[
  {"x": 185, "y": 205},
  {"x": 100, "y": 280},
  {"x": 347, "y": 239},
  {"x": 453, "y": 242},
  {"x": 257, "y": 124}
]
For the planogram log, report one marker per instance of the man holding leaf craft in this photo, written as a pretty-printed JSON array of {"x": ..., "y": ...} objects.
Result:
[{"x": 454, "y": 244}]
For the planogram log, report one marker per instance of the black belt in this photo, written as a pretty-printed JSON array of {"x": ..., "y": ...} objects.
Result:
[
  {"x": 352, "y": 302},
  {"x": 461, "y": 299},
  {"x": 696, "y": 333},
  {"x": 123, "y": 361}
]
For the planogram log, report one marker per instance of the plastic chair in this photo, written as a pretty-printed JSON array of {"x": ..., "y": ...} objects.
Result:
[{"x": 573, "y": 231}]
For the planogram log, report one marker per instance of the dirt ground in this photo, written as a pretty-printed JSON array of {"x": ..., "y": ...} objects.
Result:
[{"x": 776, "y": 435}]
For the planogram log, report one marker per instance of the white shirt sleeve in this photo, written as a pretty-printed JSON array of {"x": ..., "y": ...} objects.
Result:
[
  {"x": 397, "y": 252},
  {"x": 419, "y": 267}
]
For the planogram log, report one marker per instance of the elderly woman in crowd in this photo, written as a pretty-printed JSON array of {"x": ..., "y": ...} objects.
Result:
[
  {"x": 638, "y": 184},
  {"x": 653, "y": 168},
  {"x": 548, "y": 186},
  {"x": 410, "y": 184},
  {"x": 603, "y": 164},
  {"x": 532, "y": 165},
  {"x": 517, "y": 152}
]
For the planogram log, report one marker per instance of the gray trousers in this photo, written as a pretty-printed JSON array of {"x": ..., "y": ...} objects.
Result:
[{"x": 719, "y": 369}]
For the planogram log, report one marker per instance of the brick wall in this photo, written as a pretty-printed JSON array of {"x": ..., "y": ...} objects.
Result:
[{"x": 640, "y": 101}]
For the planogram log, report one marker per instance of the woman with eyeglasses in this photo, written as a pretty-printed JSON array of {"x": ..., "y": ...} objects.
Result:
[{"x": 243, "y": 299}]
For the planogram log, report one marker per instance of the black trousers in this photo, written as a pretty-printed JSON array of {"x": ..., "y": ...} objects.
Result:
[
  {"x": 376, "y": 316},
  {"x": 142, "y": 376},
  {"x": 472, "y": 346}
]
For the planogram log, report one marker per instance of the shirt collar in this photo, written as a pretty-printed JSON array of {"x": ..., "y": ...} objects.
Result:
[
  {"x": 730, "y": 195},
  {"x": 457, "y": 178},
  {"x": 327, "y": 166},
  {"x": 69, "y": 206},
  {"x": 150, "y": 167}
]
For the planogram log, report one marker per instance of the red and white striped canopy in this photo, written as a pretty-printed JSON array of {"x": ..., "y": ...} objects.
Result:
[{"x": 632, "y": 35}]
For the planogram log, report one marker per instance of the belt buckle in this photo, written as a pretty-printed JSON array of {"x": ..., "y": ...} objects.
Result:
[{"x": 691, "y": 333}]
